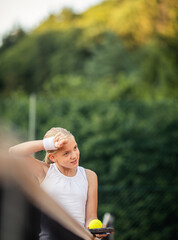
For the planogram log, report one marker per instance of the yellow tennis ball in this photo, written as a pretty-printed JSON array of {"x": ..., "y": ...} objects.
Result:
[{"x": 95, "y": 223}]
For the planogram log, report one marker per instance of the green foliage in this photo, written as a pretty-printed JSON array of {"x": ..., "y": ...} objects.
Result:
[
  {"x": 134, "y": 21},
  {"x": 158, "y": 71},
  {"x": 135, "y": 59},
  {"x": 108, "y": 58},
  {"x": 26, "y": 65},
  {"x": 69, "y": 56},
  {"x": 12, "y": 38},
  {"x": 14, "y": 114}
]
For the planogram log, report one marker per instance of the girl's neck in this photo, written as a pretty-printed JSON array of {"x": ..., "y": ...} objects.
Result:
[{"x": 67, "y": 171}]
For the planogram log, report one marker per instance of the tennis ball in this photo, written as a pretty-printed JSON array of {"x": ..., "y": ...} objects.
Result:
[{"x": 95, "y": 223}]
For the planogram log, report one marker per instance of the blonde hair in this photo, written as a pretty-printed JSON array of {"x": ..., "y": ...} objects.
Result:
[{"x": 52, "y": 132}]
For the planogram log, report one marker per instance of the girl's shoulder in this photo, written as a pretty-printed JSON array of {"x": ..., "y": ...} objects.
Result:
[{"x": 91, "y": 175}]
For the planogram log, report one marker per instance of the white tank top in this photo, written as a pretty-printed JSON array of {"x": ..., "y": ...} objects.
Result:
[{"x": 69, "y": 192}]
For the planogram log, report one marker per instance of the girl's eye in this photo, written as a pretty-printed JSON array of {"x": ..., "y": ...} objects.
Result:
[
  {"x": 75, "y": 147},
  {"x": 66, "y": 153}
]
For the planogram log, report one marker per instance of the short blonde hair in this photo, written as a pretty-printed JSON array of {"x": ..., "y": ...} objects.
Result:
[{"x": 52, "y": 132}]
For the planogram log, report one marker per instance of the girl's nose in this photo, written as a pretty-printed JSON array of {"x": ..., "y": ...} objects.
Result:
[{"x": 73, "y": 155}]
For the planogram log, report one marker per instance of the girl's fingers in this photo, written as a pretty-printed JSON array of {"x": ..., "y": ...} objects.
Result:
[
  {"x": 60, "y": 142},
  {"x": 58, "y": 136},
  {"x": 102, "y": 235}
]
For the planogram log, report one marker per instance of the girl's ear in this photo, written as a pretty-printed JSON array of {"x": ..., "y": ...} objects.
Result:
[{"x": 51, "y": 157}]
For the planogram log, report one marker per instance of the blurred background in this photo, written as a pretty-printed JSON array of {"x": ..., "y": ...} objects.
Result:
[{"x": 106, "y": 71}]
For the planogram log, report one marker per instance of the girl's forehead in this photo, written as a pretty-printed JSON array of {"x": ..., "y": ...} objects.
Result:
[{"x": 70, "y": 142}]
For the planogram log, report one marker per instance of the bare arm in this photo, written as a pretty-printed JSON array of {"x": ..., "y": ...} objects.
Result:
[
  {"x": 28, "y": 148},
  {"x": 25, "y": 150},
  {"x": 92, "y": 198}
]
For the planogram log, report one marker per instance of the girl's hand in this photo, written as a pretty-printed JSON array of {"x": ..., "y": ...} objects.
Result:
[
  {"x": 99, "y": 236},
  {"x": 102, "y": 235},
  {"x": 60, "y": 140}
]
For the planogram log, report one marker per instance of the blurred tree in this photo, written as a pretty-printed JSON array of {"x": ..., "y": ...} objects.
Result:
[
  {"x": 139, "y": 21},
  {"x": 65, "y": 20},
  {"x": 157, "y": 71},
  {"x": 108, "y": 59},
  {"x": 83, "y": 47},
  {"x": 70, "y": 55},
  {"x": 12, "y": 38},
  {"x": 26, "y": 65}
]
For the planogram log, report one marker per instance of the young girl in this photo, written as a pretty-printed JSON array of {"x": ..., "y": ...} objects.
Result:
[{"x": 72, "y": 186}]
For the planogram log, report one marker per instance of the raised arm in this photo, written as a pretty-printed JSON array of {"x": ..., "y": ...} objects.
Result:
[
  {"x": 24, "y": 151},
  {"x": 27, "y": 148}
]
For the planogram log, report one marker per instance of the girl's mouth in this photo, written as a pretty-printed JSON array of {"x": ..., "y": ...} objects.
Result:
[{"x": 74, "y": 162}]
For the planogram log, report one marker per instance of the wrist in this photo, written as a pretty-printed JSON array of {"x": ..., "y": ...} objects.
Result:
[{"x": 48, "y": 143}]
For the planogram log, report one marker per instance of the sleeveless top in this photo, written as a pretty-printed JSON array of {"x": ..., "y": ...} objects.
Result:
[{"x": 69, "y": 192}]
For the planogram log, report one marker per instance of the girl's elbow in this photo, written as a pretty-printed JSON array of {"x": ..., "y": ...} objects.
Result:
[{"x": 11, "y": 150}]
